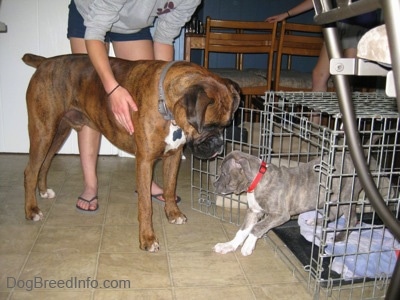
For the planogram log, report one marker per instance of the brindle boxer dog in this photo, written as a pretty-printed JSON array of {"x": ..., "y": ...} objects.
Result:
[{"x": 178, "y": 103}]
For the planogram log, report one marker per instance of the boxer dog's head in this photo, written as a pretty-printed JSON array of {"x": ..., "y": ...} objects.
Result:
[{"x": 207, "y": 107}]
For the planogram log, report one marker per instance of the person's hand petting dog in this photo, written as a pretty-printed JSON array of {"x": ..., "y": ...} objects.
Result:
[{"x": 122, "y": 105}]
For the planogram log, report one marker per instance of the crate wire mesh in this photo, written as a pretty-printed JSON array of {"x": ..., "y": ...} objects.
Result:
[
  {"x": 293, "y": 129},
  {"x": 245, "y": 135}
]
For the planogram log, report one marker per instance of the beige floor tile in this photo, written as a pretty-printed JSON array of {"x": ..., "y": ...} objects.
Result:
[
  {"x": 205, "y": 269},
  {"x": 59, "y": 266},
  {"x": 142, "y": 269},
  {"x": 63, "y": 213},
  {"x": 14, "y": 214},
  {"x": 10, "y": 266},
  {"x": 150, "y": 294},
  {"x": 56, "y": 295},
  {"x": 127, "y": 214},
  {"x": 122, "y": 195},
  {"x": 122, "y": 214},
  {"x": 18, "y": 239},
  {"x": 4, "y": 295},
  {"x": 286, "y": 292},
  {"x": 194, "y": 236},
  {"x": 265, "y": 267},
  {"x": 78, "y": 239},
  {"x": 106, "y": 246},
  {"x": 212, "y": 292}
]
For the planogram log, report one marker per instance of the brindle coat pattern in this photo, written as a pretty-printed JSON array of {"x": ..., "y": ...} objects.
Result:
[
  {"x": 283, "y": 192},
  {"x": 65, "y": 92}
]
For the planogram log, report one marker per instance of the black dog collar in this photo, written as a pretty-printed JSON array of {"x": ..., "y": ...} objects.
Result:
[{"x": 162, "y": 106}]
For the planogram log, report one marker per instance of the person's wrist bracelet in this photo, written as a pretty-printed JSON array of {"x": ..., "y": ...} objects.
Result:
[
  {"x": 288, "y": 14},
  {"x": 113, "y": 90}
]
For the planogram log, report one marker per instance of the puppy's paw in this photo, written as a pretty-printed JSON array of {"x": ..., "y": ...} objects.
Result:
[
  {"x": 49, "y": 194},
  {"x": 249, "y": 245},
  {"x": 224, "y": 248}
]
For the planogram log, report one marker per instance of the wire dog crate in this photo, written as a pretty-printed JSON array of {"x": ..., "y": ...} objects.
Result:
[{"x": 292, "y": 129}]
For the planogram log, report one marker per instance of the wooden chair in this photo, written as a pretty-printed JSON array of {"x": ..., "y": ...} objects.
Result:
[
  {"x": 242, "y": 38},
  {"x": 299, "y": 40}
]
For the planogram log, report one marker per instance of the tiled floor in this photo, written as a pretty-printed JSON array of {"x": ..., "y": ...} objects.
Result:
[{"x": 73, "y": 247}]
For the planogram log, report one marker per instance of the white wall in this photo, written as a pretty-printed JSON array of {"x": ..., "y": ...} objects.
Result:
[{"x": 39, "y": 27}]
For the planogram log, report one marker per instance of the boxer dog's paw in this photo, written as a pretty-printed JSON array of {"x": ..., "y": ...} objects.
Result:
[
  {"x": 150, "y": 246},
  {"x": 49, "y": 194},
  {"x": 179, "y": 220},
  {"x": 176, "y": 217},
  {"x": 35, "y": 214},
  {"x": 38, "y": 217},
  {"x": 249, "y": 245},
  {"x": 224, "y": 248},
  {"x": 155, "y": 247}
]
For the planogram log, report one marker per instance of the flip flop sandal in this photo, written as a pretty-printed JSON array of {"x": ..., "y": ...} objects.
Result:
[
  {"x": 87, "y": 211},
  {"x": 160, "y": 198}
]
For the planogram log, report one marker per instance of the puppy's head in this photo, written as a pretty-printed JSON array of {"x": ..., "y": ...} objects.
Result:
[
  {"x": 235, "y": 174},
  {"x": 206, "y": 108}
]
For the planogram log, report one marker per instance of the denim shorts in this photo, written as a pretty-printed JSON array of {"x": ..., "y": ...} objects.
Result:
[
  {"x": 350, "y": 34},
  {"x": 76, "y": 29}
]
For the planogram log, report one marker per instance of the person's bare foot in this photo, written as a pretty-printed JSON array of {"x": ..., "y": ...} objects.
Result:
[{"x": 87, "y": 202}]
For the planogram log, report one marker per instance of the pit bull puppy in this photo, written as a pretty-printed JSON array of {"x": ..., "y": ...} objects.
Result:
[
  {"x": 178, "y": 103},
  {"x": 275, "y": 194}
]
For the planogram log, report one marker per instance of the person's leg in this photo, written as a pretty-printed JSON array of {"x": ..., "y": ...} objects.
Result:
[
  {"x": 321, "y": 74},
  {"x": 88, "y": 139},
  {"x": 350, "y": 53},
  {"x": 89, "y": 144},
  {"x": 136, "y": 50}
]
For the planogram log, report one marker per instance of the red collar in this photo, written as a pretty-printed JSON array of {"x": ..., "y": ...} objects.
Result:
[{"x": 261, "y": 172}]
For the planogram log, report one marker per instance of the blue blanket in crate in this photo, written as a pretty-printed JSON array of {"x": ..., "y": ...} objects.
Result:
[{"x": 370, "y": 251}]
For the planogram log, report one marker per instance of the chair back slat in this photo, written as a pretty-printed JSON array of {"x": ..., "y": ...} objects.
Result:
[
  {"x": 242, "y": 37},
  {"x": 296, "y": 40}
]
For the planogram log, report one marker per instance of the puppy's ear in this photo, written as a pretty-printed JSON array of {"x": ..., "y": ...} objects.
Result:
[
  {"x": 245, "y": 165},
  {"x": 196, "y": 102}
]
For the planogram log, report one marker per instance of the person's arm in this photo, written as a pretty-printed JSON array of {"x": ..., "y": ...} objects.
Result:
[
  {"x": 120, "y": 99},
  {"x": 304, "y": 6},
  {"x": 169, "y": 25}
]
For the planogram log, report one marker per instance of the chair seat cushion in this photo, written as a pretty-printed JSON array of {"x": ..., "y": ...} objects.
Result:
[
  {"x": 298, "y": 80},
  {"x": 245, "y": 78},
  {"x": 374, "y": 45}
]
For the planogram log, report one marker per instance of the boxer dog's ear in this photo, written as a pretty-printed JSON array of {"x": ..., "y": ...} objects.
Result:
[
  {"x": 196, "y": 103},
  {"x": 235, "y": 89}
]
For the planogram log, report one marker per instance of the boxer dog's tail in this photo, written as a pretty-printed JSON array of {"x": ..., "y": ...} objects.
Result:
[{"x": 33, "y": 60}]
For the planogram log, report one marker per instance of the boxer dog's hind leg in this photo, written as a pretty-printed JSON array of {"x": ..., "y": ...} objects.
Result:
[
  {"x": 62, "y": 133},
  {"x": 170, "y": 173},
  {"x": 41, "y": 134},
  {"x": 144, "y": 174}
]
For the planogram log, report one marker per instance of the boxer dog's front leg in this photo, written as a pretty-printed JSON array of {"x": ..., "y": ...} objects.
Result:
[
  {"x": 144, "y": 170},
  {"x": 170, "y": 175}
]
